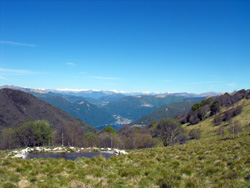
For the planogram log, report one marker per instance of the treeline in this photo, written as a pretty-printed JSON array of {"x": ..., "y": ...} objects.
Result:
[
  {"x": 39, "y": 133},
  {"x": 211, "y": 106},
  {"x": 26, "y": 134}
]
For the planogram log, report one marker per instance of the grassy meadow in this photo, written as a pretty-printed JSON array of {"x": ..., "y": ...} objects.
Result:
[{"x": 212, "y": 161}]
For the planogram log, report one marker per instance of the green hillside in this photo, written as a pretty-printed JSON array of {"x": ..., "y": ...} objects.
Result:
[{"x": 165, "y": 111}]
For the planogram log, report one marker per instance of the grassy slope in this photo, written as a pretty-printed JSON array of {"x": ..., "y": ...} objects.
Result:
[{"x": 212, "y": 161}]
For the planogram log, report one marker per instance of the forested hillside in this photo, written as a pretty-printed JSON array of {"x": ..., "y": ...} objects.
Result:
[
  {"x": 165, "y": 111},
  {"x": 83, "y": 110}
]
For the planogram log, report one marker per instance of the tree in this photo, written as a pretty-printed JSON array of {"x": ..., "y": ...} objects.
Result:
[
  {"x": 90, "y": 140},
  {"x": 228, "y": 115},
  {"x": 235, "y": 128},
  {"x": 196, "y": 106},
  {"x": 74, "y": 134},
  {"x": 33, "y": 134},
  {"x": 215, "y": 107},
  {"x": 221, "y": 131},
  {"x": 217, "y": 119},
  {"x": 111, "y": 133},
  {"x": 168, "y": 131},
  {"x": 7, "y": 139},
  {"x": 70, "y": 134},
  {"x": 110, "y": 130}
]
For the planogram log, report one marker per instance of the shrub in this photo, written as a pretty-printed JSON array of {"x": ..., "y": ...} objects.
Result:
[
  {"x": 215, "y": 107},
  {"x": 196, "y": 107},
  {"x": 237, "y": 110},
  {"x": 195, "y": 134},
  {"x": 228, "y": 115},
  {"x": 168, "y": 131}
]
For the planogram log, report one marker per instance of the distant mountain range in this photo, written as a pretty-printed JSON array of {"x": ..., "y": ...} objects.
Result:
[
  {"x": 108, "y": 94},
  {"x": 81, "y": 109},
  {"x": 104, "y": 108},
  {"x": 96, "y": 94},
  {"x": 18, "y": 106}
]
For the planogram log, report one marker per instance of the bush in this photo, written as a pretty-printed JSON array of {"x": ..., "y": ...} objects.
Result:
[
  {"x": 196, "y": 107},
  {"x": 215, "y": 107},
  {"x": 168, "y": 131},
  {"x": 237, "y": 110},
  {"x": 195, "y": 134},
  {"x": 217, "y": 120},
  {"x": 33, "y": 134},
  {"x": 194, "y": 119},
  {"x": 228, "y": 115}
]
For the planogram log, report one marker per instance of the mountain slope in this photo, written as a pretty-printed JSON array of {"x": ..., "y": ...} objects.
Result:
[
  {"x": 18, "y": 106},
  {"x": 165, "y": 111},
  {"x": 76, "y": 106},
  {"x": 136, "y": 107},
  {"x": 82, "y": 109}
]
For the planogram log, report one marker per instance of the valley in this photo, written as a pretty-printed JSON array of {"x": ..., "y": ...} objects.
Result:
[
  {"x": 211, "y": 159},
  {"x": 100, "y": 109}
]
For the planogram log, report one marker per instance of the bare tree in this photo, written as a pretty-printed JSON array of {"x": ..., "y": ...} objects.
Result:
[{"x": 235, "y": 128}]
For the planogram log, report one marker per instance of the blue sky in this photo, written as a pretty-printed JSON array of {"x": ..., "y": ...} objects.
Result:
[{"x": 128, "y": 45}]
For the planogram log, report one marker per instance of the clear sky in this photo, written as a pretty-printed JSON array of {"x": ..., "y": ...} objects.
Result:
[{"x": 129, "y": 45}]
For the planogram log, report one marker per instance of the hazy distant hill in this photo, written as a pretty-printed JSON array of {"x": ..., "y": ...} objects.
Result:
[
  {"x": 135, "y": 107},
  {"x": 165, "y": 111},
  {"x": 18, "y": 106},
  {"x": 82, "y": 109}
]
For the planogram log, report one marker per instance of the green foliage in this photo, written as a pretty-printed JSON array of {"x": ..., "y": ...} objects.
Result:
[
  {"x": 90, "y": 140},
  {"x": 110, "y": 130},
  {"x": 196, "y": 106},
  {"x": 33, "y": 134},
  {"x": 8, "y": 140},
  {"x": 215, "y": 107},
  {"x": 204, "y": 102},
  {"x": 168, "y": 131}
]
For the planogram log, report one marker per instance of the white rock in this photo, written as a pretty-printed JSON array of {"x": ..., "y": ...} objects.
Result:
[
  {"x": 123, "y": 152},
  {"x": 21, "y": 156}
]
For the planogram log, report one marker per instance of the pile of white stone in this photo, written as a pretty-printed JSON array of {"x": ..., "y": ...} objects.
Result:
[
  {"x": 23, "y": 154},
  {"x": 120, "y": 152}
]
